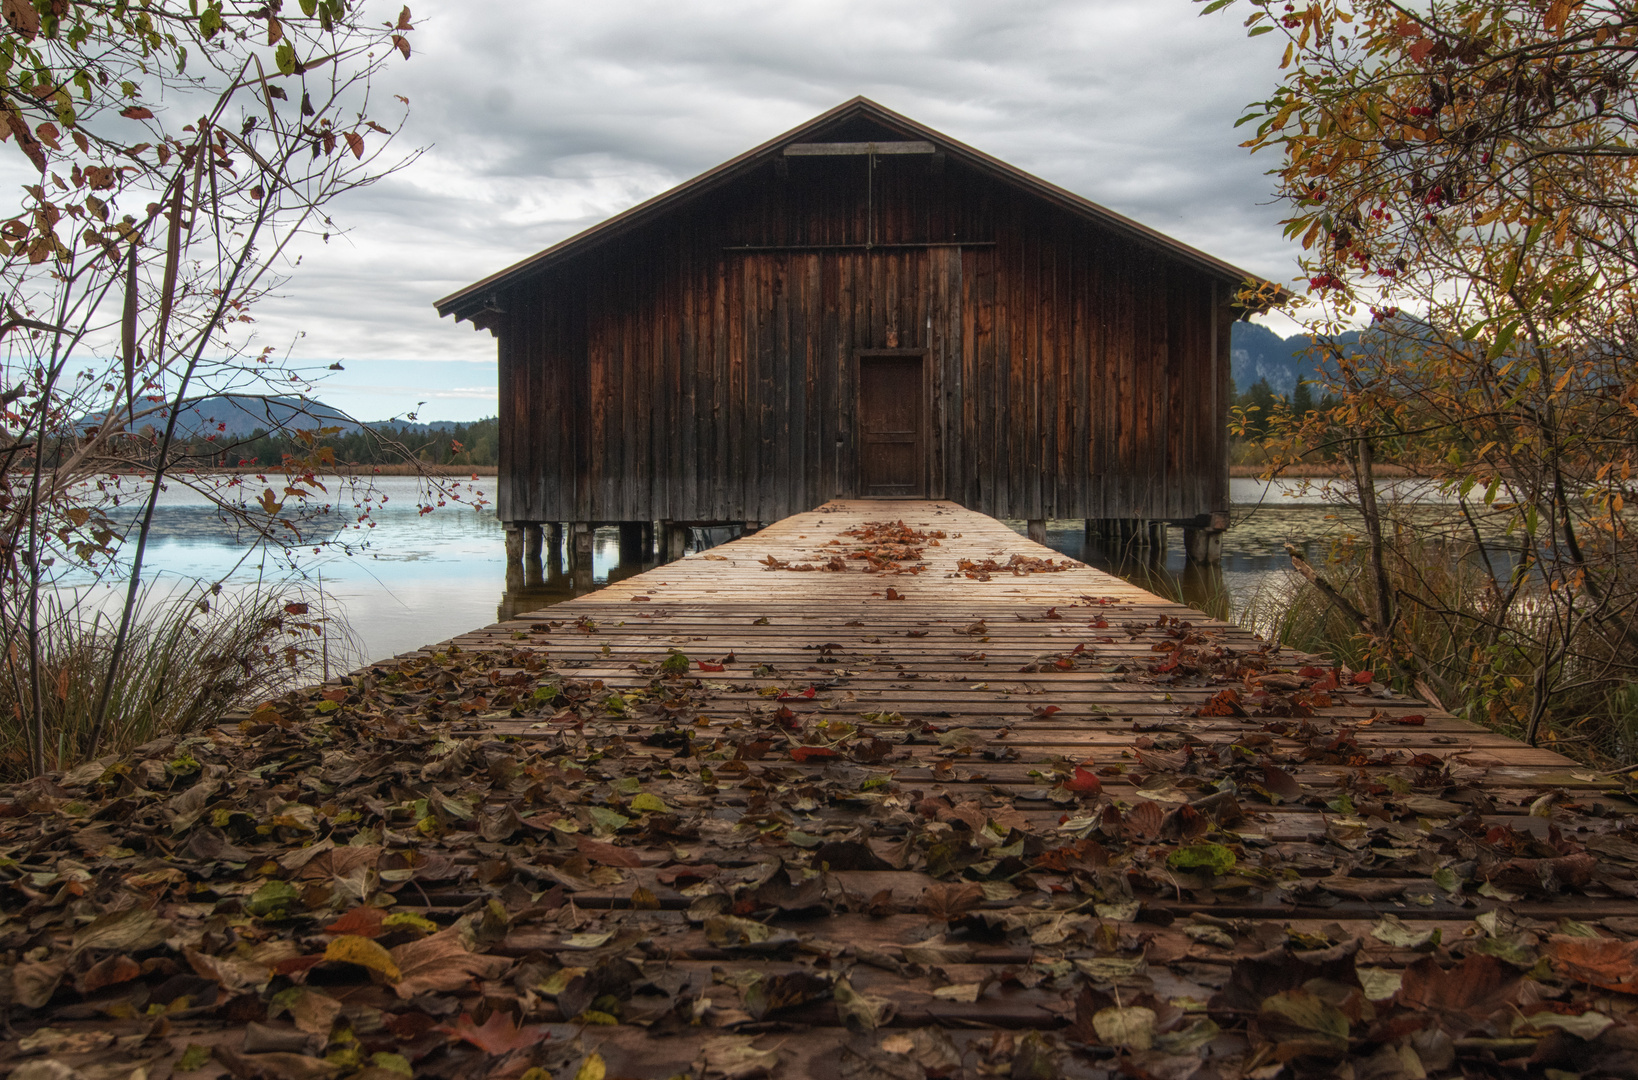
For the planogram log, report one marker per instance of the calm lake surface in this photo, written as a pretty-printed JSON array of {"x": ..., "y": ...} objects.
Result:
[{"x": 412, "y": 579}]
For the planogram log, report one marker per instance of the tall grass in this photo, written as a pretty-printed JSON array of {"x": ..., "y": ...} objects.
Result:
[
  {"x": 192, "y": 656},
  {"x": 1484, "y": 647}
]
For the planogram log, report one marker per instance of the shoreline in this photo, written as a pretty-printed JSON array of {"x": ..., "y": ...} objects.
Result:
[
  {"x": 1314, "y": 472},
  {"x": 342, "y": 469}
]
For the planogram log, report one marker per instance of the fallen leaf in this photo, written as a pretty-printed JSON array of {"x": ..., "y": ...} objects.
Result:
[
  {"x": 1303, "y": 1025},
  {"x": 499, "y": 1034},
  {"x": 1131, "y": 1027},
  {"x": 1602, "y": 962},
  {"x": 1209, "y": 857},
  {"x": 1143, "y": 820},
  {"x": 314, "y": 1012},
  {"x": 363, "y": 921},
  {"x": 109, "y": 972},
  {"x": 1279, "y": 782},
  {"x": 1084, "y": 783},
  {"x": 861, "y": 1012},
  {"x": 130, "y": 930},
  {"x": 1463, "y": 997},
  {"x": 607, "y": 854},
  {"x": 441, "y": 963},
  {"x": 354, "y": 949},
  {"x": 1392, "y": 930},
  {"x": 732, "y": 1057},
  {"x": 950, "y": 902},
  {"x": 771, "y": 993}
]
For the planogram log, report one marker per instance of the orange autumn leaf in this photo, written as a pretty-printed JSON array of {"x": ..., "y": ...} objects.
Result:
[{"x": 1602, "y": 962}]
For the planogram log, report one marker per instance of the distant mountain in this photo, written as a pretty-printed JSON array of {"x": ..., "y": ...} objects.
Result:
[
  {"x": 1256, "y": 352},
  {"x": 243, "y": 414}
]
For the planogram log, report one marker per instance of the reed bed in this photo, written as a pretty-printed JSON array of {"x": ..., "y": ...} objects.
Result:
[
  {"x": 1485, "y": 646},
  {"x": 194, "y": 654}
]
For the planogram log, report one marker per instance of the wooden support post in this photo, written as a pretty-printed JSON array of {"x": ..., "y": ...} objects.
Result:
[
  {"x": 514, "y": 556},
  {"x": 648, "y": 540},
  {"x": 581, "y": 536},
  {"x": 533, "y": 570},
  {"x": 1037, "y": 529},
  {"x": 674, "y": 541},
  {"x": 1203, "y": 546},
  {"x": 751, "y": 527},
  {"x": 581, "y": 547},
  {"x": 1157, "y": 537},
  {"x": 631, "y": 544},
  {"x": 554, "y": 549}
]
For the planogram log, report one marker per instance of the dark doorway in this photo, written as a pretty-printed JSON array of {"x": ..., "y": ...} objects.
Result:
[{"x": 892, "y": 425}]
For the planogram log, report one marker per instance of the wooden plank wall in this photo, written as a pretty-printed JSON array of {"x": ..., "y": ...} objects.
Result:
[{"x": 672, "y": 374}]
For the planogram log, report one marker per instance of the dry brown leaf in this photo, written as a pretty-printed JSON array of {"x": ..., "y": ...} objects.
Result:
[
  {"x": 442, "y": 963},
  {"x": 951, "y": 901}
]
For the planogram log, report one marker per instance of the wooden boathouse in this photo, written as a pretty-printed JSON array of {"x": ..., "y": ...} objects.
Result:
[{"x": 860, "y": 307}]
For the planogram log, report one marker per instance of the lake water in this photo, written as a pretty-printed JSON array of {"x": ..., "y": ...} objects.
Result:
[{"x": 413, "y": 578}]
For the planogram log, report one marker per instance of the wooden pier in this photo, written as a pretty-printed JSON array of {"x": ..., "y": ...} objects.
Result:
[
  {"x": 961, "y": 794},
  {"x": 881, "y": 792}
]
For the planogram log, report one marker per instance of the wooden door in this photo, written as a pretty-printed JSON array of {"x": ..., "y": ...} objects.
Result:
[{"x": 892, "y": 426}]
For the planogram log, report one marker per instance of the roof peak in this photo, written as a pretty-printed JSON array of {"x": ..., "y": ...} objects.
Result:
[{"x": 465, "y": 302}]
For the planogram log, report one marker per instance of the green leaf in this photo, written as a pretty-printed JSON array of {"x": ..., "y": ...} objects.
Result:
[
  {"x": 1446, "y": 879},
  {"x": 1391, "y": 930},
  {"x": 607, "y": 819},
  {"x": 1213, "y": 858},
  {"x": 1257, "y": 31},
  {"x": 285, "y": 57},
  {"x": 650, "y": 804},
  {"x": 1189, "y": 1040},
  {"x": 274, "y": 898},
  {"x": 393, "y": 1063},
  {"x": 1379, "y": 984},
  {"x": 1215, "y": 5},
  {"x": 194, "y": 1058},
  {"x": 309, "y": 7},
  {"x": 210, "y": 23}
]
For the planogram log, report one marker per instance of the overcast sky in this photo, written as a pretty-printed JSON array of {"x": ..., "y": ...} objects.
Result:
[{"x": 541, "y": 118}]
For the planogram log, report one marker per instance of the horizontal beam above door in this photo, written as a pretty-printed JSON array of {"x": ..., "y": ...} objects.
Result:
[{"x": 818, "y": 149}]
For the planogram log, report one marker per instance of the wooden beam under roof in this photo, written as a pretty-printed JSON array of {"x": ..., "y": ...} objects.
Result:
[{"x": 822, "y": 149}]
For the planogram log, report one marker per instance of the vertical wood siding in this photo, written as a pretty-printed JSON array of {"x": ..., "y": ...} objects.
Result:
[{"x": 703, "y": 368}]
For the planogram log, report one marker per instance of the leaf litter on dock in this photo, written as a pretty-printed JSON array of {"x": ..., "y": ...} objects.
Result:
[{"x": 369, "y": 877}]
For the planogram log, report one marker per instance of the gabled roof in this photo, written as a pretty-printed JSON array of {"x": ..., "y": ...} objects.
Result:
[{"x": 466, "y": 302}]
